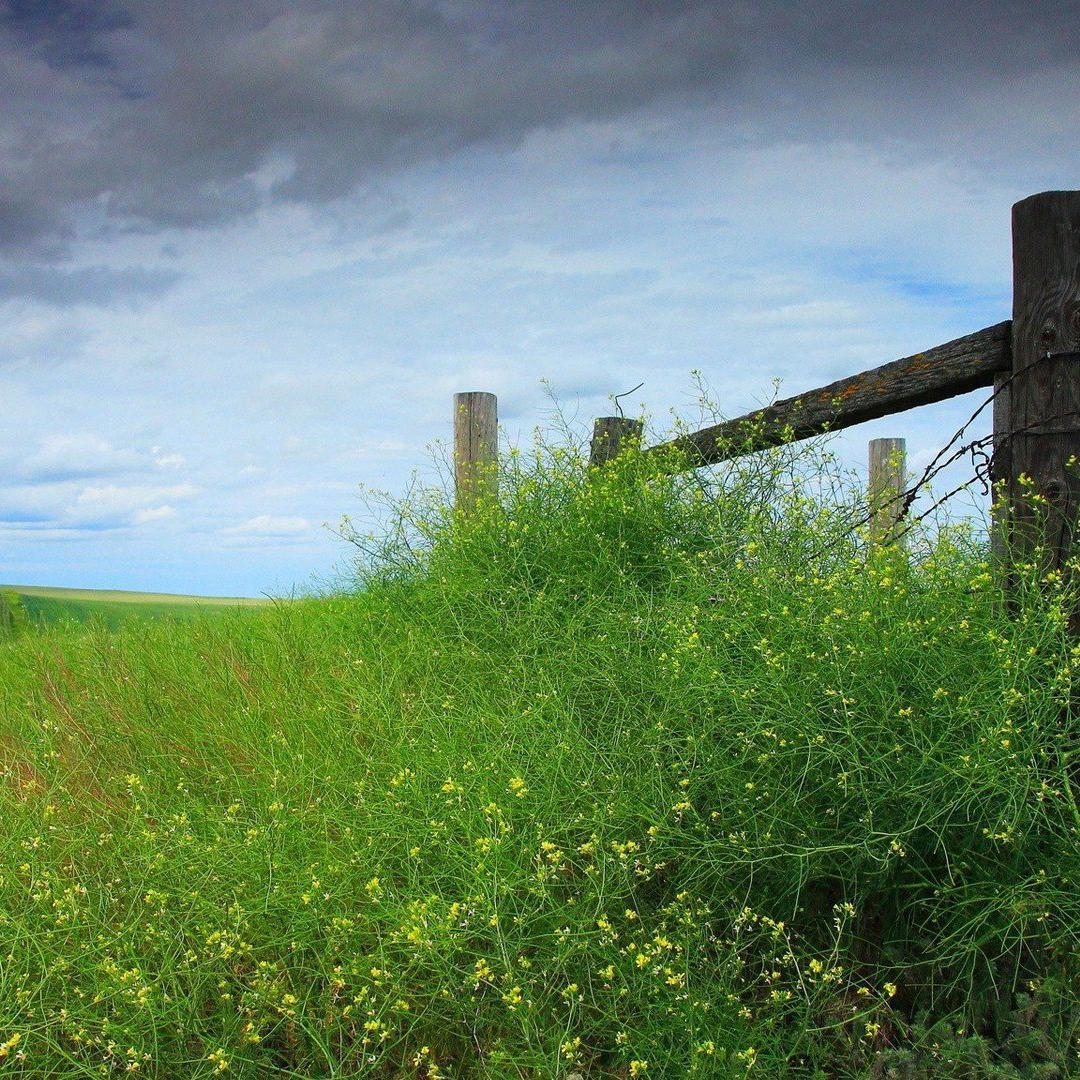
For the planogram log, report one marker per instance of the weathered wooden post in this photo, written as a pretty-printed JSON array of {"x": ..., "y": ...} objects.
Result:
[
  {"x": 887, "y": 488},
  {"x": 1042, "y": 455},
  {"x": 611, "y": 435},
  {"x": 476, "y": 448}
]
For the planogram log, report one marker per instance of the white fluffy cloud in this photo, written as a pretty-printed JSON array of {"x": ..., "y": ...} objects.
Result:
[
  {"x": 66, "y": 456},
  {"x": 269, "y": 526},
  {"x": 117, "y": 504},
  {"x": 153, "y": 513}
]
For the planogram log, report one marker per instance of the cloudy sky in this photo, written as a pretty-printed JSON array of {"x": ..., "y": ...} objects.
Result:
[{"x": 249, "y": 248}]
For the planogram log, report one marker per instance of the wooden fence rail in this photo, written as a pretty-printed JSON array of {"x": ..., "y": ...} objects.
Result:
[
  {"x": 1032, "y": 361},
  {"x": 945, "y": 371}
]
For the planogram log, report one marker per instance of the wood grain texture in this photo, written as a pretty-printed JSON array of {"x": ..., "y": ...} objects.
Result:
[
  {"x": 1044, "y": 397},
  {"x": 611, "y": 435},
  {"x": 942, "y": 372},
  {"x": 887, "y": 487},
  {"x": 476, "y": 448}
]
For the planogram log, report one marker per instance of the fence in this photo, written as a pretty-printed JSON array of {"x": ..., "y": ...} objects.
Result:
[{"x": 1032, "y": 362}]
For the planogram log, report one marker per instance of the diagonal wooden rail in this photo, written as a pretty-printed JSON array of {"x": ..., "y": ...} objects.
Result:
[{"x": 967, "y": 363}]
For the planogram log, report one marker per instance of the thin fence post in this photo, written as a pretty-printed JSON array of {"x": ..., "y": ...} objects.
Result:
[
  {"x": 888, "y": 484},
  {"x": 476, "y": 448},
  {"x": 611, "y": 435},
  {"x": 1043, "y": 429}
]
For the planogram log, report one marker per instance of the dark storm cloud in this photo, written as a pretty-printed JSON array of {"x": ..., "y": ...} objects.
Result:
[
  {"x": 186, "y": 100},
  {"x": 23, "y": 221},
  {"x": 159, "y": 113},
  {"x": 65, "y": 32},
  {"x": 98, "y": 285}
]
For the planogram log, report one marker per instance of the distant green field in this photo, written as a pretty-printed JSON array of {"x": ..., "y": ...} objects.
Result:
[{"x": 112, "y": 607}]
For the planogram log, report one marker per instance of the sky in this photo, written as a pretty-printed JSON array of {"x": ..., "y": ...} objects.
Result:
[{"x": 250, "y": 249}]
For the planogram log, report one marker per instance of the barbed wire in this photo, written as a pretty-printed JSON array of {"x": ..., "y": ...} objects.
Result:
[{"x": 984, "y": 453}]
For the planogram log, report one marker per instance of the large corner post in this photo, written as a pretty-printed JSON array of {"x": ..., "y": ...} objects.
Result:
[{"x": 1040, "y": 448}]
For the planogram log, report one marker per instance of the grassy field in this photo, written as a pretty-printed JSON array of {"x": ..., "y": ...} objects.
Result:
[
  {"x": 631, "y": 776},
  {"x": 111, "y": 607}
]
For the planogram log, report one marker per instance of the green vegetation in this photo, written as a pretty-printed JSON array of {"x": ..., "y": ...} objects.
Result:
[
  {"x": 109, "y": 607},
  {"x": 631, "y": 776}
]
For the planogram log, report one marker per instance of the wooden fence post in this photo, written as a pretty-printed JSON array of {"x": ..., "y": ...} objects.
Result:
[
  {"x": 1043, "y": 433},
  {"x": 611, "y": 435},
  {"x": 476, "y": 448},
  {"x": 888, "y": 483}
]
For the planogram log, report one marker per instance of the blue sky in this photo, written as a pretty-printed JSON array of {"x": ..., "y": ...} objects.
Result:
[{"x": 248, "y": 251}]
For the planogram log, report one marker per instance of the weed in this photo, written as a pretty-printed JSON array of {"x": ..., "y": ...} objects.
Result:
[{"x": 635, "y": 773}]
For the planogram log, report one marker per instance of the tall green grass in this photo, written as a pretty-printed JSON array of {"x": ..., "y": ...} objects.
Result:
[{"x": 629, "y": 775}]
